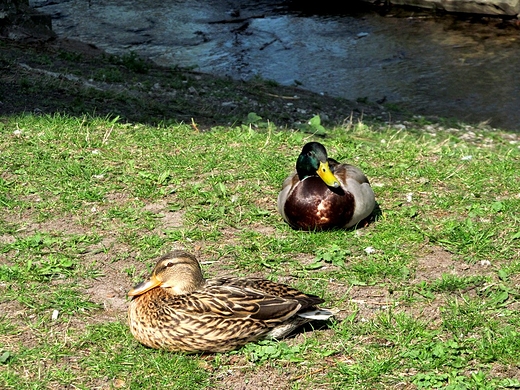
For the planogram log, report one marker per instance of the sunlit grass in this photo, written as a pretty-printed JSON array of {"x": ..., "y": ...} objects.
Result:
[{"x": 72, "y": 188}]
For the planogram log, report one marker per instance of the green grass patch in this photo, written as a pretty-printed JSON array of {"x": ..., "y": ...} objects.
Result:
[{"x": 428, "y": 293}]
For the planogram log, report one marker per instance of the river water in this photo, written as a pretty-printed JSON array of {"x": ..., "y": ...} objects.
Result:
[{"x": 430, "y": 65}]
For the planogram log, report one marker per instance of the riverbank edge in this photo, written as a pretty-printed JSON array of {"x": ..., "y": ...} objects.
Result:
[{"x": 75, "y": 78}]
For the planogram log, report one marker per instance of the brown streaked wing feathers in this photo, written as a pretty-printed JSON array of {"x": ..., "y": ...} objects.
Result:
[
  {"x": 233, "y": 302},
  {"x": 264, "y": 286}
]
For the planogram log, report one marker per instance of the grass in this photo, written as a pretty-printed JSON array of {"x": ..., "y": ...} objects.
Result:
[{"x": 429, "y": 293}]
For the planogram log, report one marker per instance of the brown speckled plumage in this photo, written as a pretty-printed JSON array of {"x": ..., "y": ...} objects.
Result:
[
  {"x": 214, "y": 315},
  {"x": 306, "y": 202}
]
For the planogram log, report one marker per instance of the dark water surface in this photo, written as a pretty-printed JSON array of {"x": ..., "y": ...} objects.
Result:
[{"x": 430, "y": 65}]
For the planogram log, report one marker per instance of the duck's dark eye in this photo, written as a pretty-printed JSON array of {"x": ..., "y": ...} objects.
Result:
[{"x": 169, "y": 264}]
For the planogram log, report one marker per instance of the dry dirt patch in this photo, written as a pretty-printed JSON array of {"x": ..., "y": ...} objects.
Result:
[{"x": 438, "y": 262}]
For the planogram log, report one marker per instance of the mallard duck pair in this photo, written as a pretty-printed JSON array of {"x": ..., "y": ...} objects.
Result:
[{"x": 176, "y": 309}]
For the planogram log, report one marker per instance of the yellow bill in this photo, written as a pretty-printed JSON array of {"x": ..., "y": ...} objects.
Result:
[{"x": 326, "y": 175}]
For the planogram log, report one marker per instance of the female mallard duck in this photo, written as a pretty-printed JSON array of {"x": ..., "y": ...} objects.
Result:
[
  {"x": 324, "y": 194},
  {"x": 178, "y": 310}
]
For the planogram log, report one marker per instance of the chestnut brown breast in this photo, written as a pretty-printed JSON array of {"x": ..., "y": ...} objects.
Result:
[{"x": 312, "y": 205}]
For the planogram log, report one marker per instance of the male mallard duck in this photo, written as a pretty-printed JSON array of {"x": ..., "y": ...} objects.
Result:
[
  {"x": 324, "y": 194},
  {"x": 178, "y": 310}
]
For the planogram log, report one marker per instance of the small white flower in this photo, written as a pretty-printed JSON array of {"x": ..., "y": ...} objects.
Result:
[
  {"x": 485, "y": 263},
  {"x": 465, "y": 158},
  {"x": 98, "y": 176},
  {"x": 93, "y": 209},
  {"x": 55, "y": 314},
  {"x": 95, "y": 151},
  {"x": 17, "y": 133},
  {"x": 409, "y": 197},
  {"x": 369, "y": 250}
]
